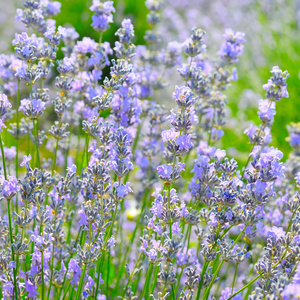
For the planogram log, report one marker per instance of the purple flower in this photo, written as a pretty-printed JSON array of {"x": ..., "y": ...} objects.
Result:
[
  {"x": 298, "y": 179},
  {"x": 201, "y": 166},
  {"x": 103, "y": 14},
  {"x": 74, "y": 272},
  {"x": 168, "y": 135},
  {"x": 10, "y": 187},
  {"x": 184, "y": 96},
  {"x": 4, "y": 105},
  {"x": 50, "y": 8},
  {"x": 7, "y": 291},
  {"x": 12, "y": 265},
  {"x": 276, "y": 87},
  {"x": 123, "y": 190},
  {"x": 87, "y": 45},
  {"x": 101, "y": 281},
  {"x": 232, "y": 47},
  {"x": 144, "y": 246},
  {"x": 165, "y": 171},
  {"x": 72, "y": 169},
  {"x": 90, "y": 284},
  {"x": 31, "y": 288},
  {"x": 111, "y": 242},
  {"x": 220, "y": 154},
  {"x": 126, "y": 24},
  {"x": 175, "y": 228},
  {"x": 100, "y": 22},
  {"x": 67, "y": 65},
  {"x": 184, "y": 142},
  {"x": 227, "y": 292},
  {"x": 152, "y": 254},
  {"x": 32, "y": 108}
]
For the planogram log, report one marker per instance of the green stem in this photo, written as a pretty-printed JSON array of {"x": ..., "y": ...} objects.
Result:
[
  {"x": 112, "y": 225},
  {"x": 178, "y": 281},
  {"x": 246, "y": 286},
  {"x": 17, "y": 143},
  {"x": 132, "y": 237},
  {"x": 87, "y": 149},
  {"x": 35, "y": 130},
  {"x": 211, "y": 129},
  {"x": 146, "y": 285},
  {"x": 132, "y": 273},
  {"x": 80, "y": 283},
  {"x": 234, "y": 277},
  {"x": 99, "y": 265},
  {"x": 173, "y": 292},
  {"x": 52, "y": 261},
  {"x": 207, "y": 291},
  {"x": 107, "y": 275},
  {"x": 3, "y": 158},
  {"x": 155, "y": 279},
  {"x": 189, "y": 238},
  {"x": 169, "y": 207},
  {"x": 75, "y": 245},
  {"x": 43, "y": 281},
  {"x": 55, "y": 156},
  {"x": 291, "y": 220},
  {"x": 9, "y": 221},
  {"x": 204, "y": 268}
]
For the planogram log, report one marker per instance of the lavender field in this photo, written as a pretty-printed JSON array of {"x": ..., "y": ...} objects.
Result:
[{"x": 150, "y": 150}]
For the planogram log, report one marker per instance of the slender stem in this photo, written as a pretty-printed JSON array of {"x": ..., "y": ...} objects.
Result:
[
  {"x": 132, "y": 273},
  {"x": 75, "y": 245},
  {"x": 55, "y": 156},
  {"x": 291, "y": 220},
  {"x": 43, "y": 281},
  {"x": 234, "y": 277},
  {"x": 207, "y": 291},
  {"x": 247, "y": 162},
  {"x": 99, "y": 265},
  {"x": 155, "y": 279},
  {"x": 189, "y": 238},
  {"x": 134, "y": 146},
  {"x": 35, "y": 130},
  {"x": 80, "y": 283},
  {"x": 17, "y": 142},
  {"x": 107, "y": 275},
  {"x": 9, "y": 221},
  {"x": 178, "y": 281},
  {"x": 169, "y": 207},
  {"x": 247, "y": 285},
  {"x": 52, "y": 261},
  {"x": 146, "y": 285},
  {"x": 211, "y": 129},
  {"x": 87, "y": 149},
  {"x": 173, "y": 292},
  {"x": 112, "y": 225},
  {"x": 3, "y": 158},
  {"x": 204, "y": 268},
  {"x": 133, "y": 236}
]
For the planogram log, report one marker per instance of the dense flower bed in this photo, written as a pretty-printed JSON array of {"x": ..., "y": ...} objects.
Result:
[{"x": 118, "y": 197}]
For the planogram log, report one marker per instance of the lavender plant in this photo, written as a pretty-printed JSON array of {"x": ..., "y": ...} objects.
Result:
[{"x": 117, "y": 197}]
